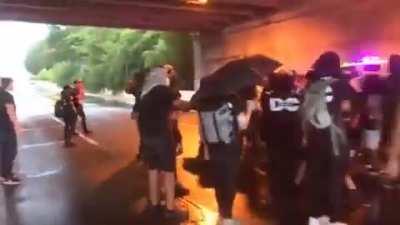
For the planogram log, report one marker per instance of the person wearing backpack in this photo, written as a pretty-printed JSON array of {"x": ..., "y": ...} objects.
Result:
[
  {"x": 282, "y": 132},
  {"x": 325, "y": 140},
  {"x": 69, "y": 114},
  {"x": 221, "y": 120}
]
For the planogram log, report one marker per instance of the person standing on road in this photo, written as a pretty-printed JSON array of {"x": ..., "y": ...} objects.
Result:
[
  {"x": 282, "y": 132},
  {"x": 9, "y": 128},
  {"x": 158, "y": 144},
  {"x": 391, "y": 120},
  {"x": 222, "y": 119},
  {"x": 79, "y": 98},
  {"x": 325, "y": 140},
  {"x": 69, "y": 114}
]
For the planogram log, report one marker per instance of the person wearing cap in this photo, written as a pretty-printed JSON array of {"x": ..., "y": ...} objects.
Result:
[
  {"x": 9, "y": 128},
  {"x": 79, "y": 98}
]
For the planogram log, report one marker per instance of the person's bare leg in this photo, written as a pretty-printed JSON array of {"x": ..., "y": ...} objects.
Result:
[
  {"x": 154, "y": 188},
  {"x": 169, "y": 184}
]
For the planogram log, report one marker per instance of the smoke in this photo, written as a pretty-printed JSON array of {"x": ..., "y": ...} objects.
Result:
[
  {"x": 365, "y": 26},
  {"x": 353, "y": 28}
]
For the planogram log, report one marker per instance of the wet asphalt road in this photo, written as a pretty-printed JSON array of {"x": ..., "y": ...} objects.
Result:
[{"x": 99, "y": 182}]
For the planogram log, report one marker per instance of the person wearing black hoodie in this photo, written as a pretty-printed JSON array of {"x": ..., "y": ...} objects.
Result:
[
  {"x": 282, "y": 132},
  {"x": 325, "y": 140},
  {"x": 69, "y": 114}
]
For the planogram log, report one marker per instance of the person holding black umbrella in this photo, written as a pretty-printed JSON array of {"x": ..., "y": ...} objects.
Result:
[{"x": 225, "y": 104}]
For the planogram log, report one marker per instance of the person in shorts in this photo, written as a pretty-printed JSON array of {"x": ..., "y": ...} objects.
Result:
[{"x": 158, "y": 144}]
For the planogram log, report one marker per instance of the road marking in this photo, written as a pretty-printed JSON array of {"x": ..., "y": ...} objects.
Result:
[
  {"x": 23, "y": 147},
  {"x": 85, "y": 138},
  {"x": 45, "y": 173},
  {"x": 37, "y": 129}
]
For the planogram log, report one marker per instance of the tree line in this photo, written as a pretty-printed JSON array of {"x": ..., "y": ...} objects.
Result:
[{"x": 105, "y": 58}]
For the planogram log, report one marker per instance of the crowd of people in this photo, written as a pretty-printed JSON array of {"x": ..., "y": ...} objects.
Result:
[{"x": 309, "y": 124}]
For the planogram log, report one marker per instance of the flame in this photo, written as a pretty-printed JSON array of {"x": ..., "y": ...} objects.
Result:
[{"x": 197, "y": 2}]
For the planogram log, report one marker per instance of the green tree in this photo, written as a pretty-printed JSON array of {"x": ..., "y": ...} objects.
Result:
[{"x": 106, "y": 58}]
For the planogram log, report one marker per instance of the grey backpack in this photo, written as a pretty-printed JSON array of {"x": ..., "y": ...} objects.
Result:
[{"x": 218, "y": 125}]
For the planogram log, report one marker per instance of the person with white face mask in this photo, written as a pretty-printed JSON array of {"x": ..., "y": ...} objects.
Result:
[
  {"x": 9, "y": 128},
  {"x": 158, "y": 142}
]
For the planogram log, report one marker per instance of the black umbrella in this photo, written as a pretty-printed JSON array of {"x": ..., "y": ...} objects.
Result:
[{"x": 235, "y": 76}]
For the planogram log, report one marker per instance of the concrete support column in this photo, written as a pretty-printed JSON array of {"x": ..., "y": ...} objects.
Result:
[{"x": 198, "y": 58}]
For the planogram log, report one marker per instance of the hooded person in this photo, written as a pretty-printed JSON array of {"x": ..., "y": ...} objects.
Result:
[
  {"x": 282, "y": 132},
  {"x": 158, "y": 144},
  {"x": 325, "y": 140}
]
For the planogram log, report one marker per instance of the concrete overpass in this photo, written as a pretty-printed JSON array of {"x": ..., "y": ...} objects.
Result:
[{"x": 292, "y": 31}]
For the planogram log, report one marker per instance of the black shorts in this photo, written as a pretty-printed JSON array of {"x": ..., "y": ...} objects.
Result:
[{"x": 159, "y": 153}]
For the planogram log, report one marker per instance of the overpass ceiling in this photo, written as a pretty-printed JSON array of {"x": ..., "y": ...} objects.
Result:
[{"x": 175, "y": 15}]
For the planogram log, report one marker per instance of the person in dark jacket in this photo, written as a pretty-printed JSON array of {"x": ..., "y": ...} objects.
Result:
[
  {"x": 282, "y": 132},
  {"x": 9, "y": 128},
  {"x": 69, "y": 114},
  {"x": 325, "y": 140}
]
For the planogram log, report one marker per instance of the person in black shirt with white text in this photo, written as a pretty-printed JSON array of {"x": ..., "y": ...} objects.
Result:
[{"x": 282, "y": 133}]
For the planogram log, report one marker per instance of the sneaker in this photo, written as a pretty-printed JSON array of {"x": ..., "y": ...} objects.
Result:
[
  {"x": 338, "y": 223},
  {"x": 175, "y": 215},
  {"x": 180, "y": 190},
  {"x": 223, "y": 221},
  {"x": 313, "y": 221},
  {"x": 324, "y": 220},
  {"x": 12, "y": 181}
]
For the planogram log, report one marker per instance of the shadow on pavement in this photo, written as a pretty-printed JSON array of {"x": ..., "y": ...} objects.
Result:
[
  {"x": 110, "y": 203},
  {"x": 11, "y": 201}
]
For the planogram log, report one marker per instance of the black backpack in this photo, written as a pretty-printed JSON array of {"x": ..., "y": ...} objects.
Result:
[{"x": 59, "y": 109}]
